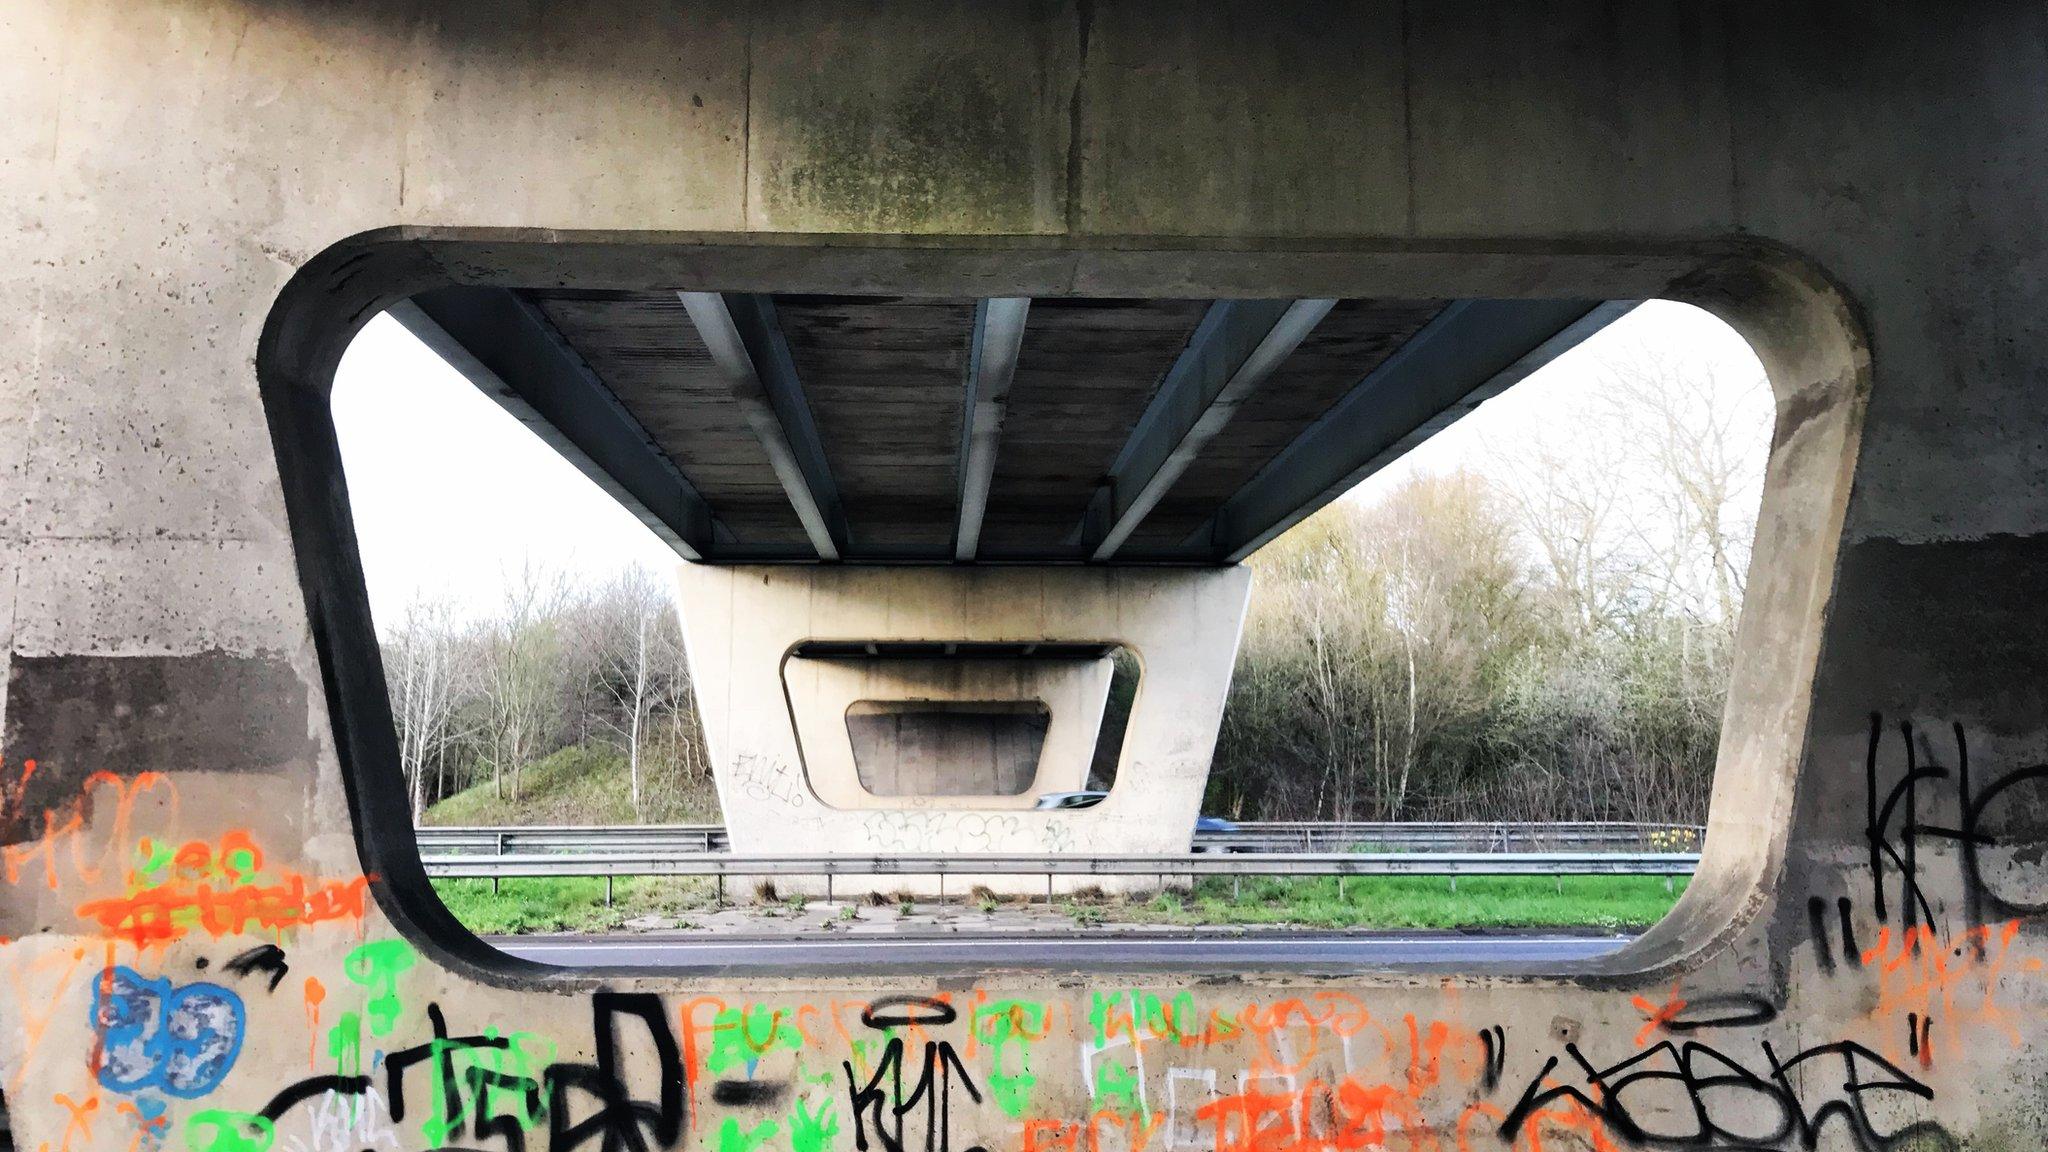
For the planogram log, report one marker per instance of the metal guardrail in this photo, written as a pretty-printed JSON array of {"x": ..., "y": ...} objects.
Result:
[
  {"x": 1189, "y": 864},
  {"x": 1249, "y": 837},
  {"x": 721, "y": 865}
]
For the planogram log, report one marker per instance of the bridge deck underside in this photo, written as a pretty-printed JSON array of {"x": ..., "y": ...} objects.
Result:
[{"x": 807, "y": 428}]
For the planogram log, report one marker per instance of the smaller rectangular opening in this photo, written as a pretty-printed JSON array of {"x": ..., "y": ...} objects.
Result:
[{"x": 915, "y": 748}]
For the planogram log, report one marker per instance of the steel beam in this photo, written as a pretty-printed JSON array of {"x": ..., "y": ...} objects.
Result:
[
  {"x": 991, "y": 364},
  {"x": 1470, "y": 352},
  {"x": 745, "y": 341},
  {"x": 1237, "y": 345},
  {"x": 505, "y": 346}
]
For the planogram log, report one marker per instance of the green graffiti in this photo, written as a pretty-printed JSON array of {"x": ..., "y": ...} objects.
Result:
[
  {"x": 731, "y": 1139},
  {"x": 812, "y": 1133},
  {"x": 151, "y": 859},
  {"x": 1100, "y": 1005},
  {"x": 345, "y": 1044},
  {"x": 744, "y": 1036},
  {"x": 376, "y": 966},
  {"x": 518, "y": 1062},
  {"x": 218, "y": 1130},
  {"x": 1009, "y": 1027},
  {"x": 1177, "y": 1020},
  {"x": 1116, "y": 1090}
]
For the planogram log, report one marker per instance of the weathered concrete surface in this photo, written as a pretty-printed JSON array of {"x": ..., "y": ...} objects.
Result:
[
  {"x": 1062, "y": 699},
  {"x": 1860, "y": 964},
  {"x": 769, "y": 721}
]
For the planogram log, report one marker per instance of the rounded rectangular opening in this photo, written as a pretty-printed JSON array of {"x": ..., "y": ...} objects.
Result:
[{"x": 1214, "y": 506}]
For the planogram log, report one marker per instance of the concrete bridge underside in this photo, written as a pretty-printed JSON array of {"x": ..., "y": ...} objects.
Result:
[
  {"x": 961, "y": 441},
  {"x": 217, "y": 934}
]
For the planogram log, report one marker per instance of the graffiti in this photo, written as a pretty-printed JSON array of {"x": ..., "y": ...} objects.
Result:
[
  {"x": 1009, "y": 1028},
  {"x": 70, "y": 843},
  {"x": 221, "y": 889},
  {"x": 1494, "y": 1042},
  {"x": 1938, "y": 967},
  {"x": 1727, "y": 1105},
  {"x": 899, "y": 831},
  {"x": 882, "y": 1110},
  {"x": 341, "y": 1122},
  {"x": 620, "y": 1118},
  {"x": 376, "y": 966},
  {"x": 747, "y": 1093},
  {"x": 741, "y": 1036},
  {"x": 266, "y": 958},
  {"x": 770, "y": 781},
  {"x": 1050, "y": 1066},
  {"x": 812, "y": 1131},
  {"x": 180, "y": 1040},
  {"x": 483, "y": 1087},
  {"x": 1895, "y": 828},
  {"x": 472, "y": 1076}
]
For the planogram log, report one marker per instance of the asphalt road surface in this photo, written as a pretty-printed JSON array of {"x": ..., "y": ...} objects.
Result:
[{"x": 1267, "y": 949}]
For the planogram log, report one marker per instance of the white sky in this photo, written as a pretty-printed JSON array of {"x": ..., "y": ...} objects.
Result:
[{"x": 451, "y": 494}]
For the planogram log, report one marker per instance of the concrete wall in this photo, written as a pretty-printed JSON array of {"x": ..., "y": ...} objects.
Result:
[
  {"x": 187, "y": 197},
  {"x": 772, "y": 724}
]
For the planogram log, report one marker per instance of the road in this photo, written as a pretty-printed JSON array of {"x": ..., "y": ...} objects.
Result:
[{"x": 1094, "y": 953}]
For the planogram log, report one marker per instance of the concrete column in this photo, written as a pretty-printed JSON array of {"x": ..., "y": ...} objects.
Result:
[{"x": 783, "y": 753}]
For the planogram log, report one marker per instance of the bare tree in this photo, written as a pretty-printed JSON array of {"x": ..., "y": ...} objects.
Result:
[
  {"x": 1702, "y": 453},
  {"x": 419, "y": 660},
  {"x": 524, "y": 666},
  {"x": 629, "y": 632}
]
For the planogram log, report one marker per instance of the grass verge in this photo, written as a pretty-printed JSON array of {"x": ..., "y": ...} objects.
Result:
[
  {"x": 1612, "y": 903},
  {"x": 1604, "y": 902},
  {"x": 569, "y": 905}
]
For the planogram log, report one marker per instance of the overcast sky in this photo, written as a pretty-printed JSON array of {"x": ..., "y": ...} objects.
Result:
[{"x": 450, "y": 493}]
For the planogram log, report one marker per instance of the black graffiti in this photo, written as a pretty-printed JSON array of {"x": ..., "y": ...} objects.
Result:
[
  {"x": 747, "y": 1093},
  {"x": 1920, "y": 1036},
  {"x": 262, "y": 958},
  {"x": 899, "y": 1011},
  {"x": 486, "y": 1085},
  {"x": 442, "y": 1051},
  {"x": 1732, "y": 1107},
  {"x": 885, "y": 1108},
  {"x": 1817, "y": 926},
  {"x": 1895, "y": 829},
  {"x": 621, "y": 1122},
  {"x": 1729, "y": 1010},
  {"x": 1494, "y": 1042}
]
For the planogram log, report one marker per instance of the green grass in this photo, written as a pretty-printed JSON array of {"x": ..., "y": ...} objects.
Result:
[
  {"x": 580, "y": 784},
  {"x": 1602, "y": 902},
  {"x": 1605, "y": 902},
  {"x": 569, "y": 904}
]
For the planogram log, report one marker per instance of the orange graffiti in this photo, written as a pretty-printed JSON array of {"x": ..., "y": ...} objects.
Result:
[
  {"x": 30, "y": 995},
  {"x": 218, "y": 890},
  {"x": 1580, "y": 1127},
  {"x": 1137, "y": 1129},
  {"x": 1350, "y": 1117},
  {"x": 1657, "y": 1017},
  {"x": 690, "y": 1030},
  {"x": 88, "y": 860},
  {"x": 1926, "y": 983},
  {"x": 81, "y": 1117},
  {"x": 315, "y": 993},
  {"x": 1051, "y": 1136}
]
